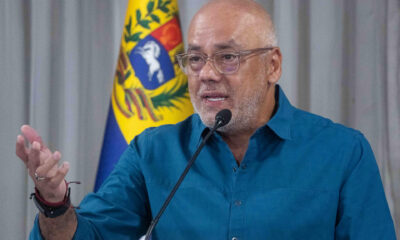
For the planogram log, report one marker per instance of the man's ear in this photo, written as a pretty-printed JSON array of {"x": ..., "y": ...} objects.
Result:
[{"x": 274, "y": 65}]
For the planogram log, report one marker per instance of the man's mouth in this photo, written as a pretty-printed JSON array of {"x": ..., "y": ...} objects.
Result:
[{"x": 214, "y": 97}]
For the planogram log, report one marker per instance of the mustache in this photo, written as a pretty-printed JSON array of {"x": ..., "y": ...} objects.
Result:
[{"x": 205, "y": 88}]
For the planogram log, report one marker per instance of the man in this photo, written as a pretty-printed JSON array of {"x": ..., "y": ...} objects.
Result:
[{"x": 273, "y": 172}]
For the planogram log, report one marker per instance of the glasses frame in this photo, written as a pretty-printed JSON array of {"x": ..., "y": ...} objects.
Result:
[{"x": 240, "y": 54}]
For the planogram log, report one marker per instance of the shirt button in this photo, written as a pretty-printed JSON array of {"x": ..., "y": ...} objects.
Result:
[
  {"x": 234, "y": 238},
  {"x": 238, "y": 202},
  {"x": 234, "y": 169}
]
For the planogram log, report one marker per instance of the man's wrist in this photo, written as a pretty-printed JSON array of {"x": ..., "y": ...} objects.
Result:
[{"x": 51, "y": 209}]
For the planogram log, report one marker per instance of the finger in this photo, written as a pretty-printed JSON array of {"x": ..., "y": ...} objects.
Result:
[
  {"x": 34, "y": 156},
  {"x": 49, "y": 167},
  {"x": 31, "y": 134},
  {"x": 53, "y": 171},
  {"x": 20, "y": 149},
  {"x": 60, "y": 176},
  {"x": 44, "y": 155}
]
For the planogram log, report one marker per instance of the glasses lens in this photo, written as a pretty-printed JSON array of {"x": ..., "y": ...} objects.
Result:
[
  {"x": 226, "y": 62},
  {"x": 195, "y": 62}
]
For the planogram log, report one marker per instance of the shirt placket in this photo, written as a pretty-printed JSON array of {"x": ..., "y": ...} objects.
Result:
[
  {"x": 240, "y": 190},
  {"x": 238, "y": 202}
]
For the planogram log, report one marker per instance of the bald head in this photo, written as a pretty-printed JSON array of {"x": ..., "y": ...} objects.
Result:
[{"x": 247, "y": 16}]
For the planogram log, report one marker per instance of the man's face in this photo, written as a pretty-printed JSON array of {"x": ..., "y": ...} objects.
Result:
[{"x": 242, "y": 92}]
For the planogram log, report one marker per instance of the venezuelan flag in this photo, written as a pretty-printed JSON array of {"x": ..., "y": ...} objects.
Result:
[{"x": 149, "y": 89}]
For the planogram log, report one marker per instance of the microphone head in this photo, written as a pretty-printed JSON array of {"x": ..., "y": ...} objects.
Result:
[{"x": 223, "y": 117}]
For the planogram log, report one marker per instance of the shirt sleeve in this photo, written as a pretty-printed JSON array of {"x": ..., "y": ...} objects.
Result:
[
  {"x": 363, "y": 212},
  {"x": 120, "y": 208},
  {"x": 35, "y": 233},
  {"x": 84, "y": 230}
]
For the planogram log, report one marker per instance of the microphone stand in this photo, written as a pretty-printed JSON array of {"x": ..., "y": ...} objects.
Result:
[{"x": 218, "y": 123}]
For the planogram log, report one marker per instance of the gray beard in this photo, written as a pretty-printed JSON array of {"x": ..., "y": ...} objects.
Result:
[{"x": 244, "y": 117}]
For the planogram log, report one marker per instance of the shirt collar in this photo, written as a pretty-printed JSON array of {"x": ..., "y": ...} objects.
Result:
[
  {"x": 198, "y": 128},
  {"x": 280, "y": 123}
]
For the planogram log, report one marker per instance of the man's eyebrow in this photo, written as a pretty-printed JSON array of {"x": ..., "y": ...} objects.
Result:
[
  {"x": 193, "y": 47},
  {"x": 230, "y": 44},
  {"x": 219, "y": 46}
]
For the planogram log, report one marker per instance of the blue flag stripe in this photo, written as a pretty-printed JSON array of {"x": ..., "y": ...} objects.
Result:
[{"x": 114, "y": 145}]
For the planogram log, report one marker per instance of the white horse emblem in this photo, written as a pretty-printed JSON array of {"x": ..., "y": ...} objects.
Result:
[{"x": 150, "y": 52}]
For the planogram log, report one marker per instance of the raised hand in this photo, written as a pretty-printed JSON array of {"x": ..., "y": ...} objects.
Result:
[{"x": 42, "y": 165}]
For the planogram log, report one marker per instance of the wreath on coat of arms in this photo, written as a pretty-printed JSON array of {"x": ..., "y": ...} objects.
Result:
[{"x": 137, "y": 99}]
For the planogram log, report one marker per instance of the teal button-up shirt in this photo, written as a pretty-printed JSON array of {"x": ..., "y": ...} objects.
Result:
[{"x": 303, "y": 177}]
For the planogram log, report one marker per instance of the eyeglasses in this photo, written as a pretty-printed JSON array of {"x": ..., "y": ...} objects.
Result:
[{"x": 225, "y": 62}]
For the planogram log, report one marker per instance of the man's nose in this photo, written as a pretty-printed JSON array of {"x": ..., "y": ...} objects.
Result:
[{"x": 208, "y": 72}]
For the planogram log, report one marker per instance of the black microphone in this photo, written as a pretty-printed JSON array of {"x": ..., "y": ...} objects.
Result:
[{"x": 221, "y": 119}]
